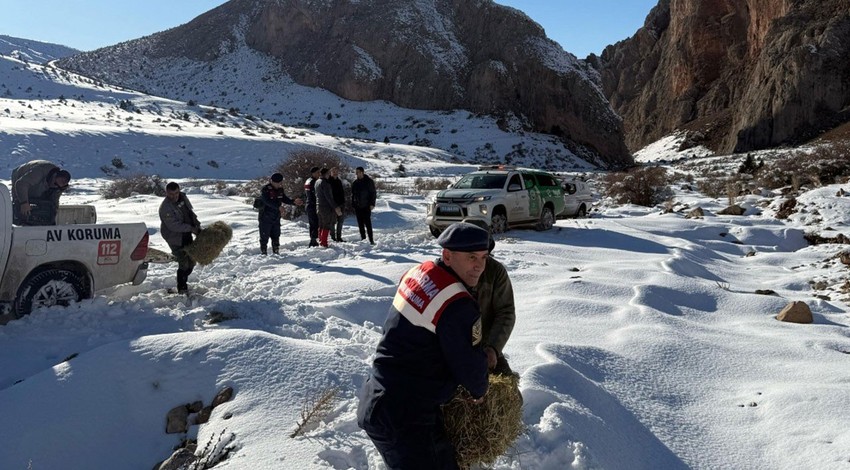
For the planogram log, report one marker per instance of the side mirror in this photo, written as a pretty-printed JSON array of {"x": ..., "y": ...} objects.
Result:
[{"x": 514, "y": 187}]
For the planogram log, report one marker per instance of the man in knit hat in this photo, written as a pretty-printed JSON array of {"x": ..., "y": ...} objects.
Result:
[
  {"x": 272, "y": 210},
  {"x": 431, "y": 344}
]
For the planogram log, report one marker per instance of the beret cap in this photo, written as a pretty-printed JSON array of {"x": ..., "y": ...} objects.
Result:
[
  {"x": 314, "y": 169},
  {"x": 464, "y": 237},
  {"x": 277, "y": 177}
]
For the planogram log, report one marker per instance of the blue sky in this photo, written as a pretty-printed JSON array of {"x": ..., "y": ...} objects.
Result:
[{"x": 581, "y": 27}]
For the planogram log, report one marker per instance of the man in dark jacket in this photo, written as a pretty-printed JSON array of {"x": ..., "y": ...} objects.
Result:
[
  {"x": 36, "y": 187},
  {"x": 310, "y": 192},
  {"x": 179, "y": 223},
  {"x": 326, "y": 208},
  {"x": 339, "y": 199},
  {"x": 363, "y": 196},
  {"x": 273, "y": 198},
  {"x": 431, "y": 344}
]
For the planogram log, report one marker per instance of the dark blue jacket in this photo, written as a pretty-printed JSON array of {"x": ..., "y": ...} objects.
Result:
[
  {"x": 422, "y": 365},
  {"x": 272, "y": 198}
]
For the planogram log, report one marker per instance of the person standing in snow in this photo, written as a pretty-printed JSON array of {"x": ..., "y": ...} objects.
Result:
[
  {"x": 363, "y": 197},
  {"x": 37, "y": 184},
  {"x": 431, "y": 344},
  {"x": 273, "y": 198},
  {"x": 326, "y": 207},
  {"x": 339, "y": 199},
  {"x": 495, "y": 296},
  {"x": 179, "y": 223},
  {"x": 312, "y": 217}
]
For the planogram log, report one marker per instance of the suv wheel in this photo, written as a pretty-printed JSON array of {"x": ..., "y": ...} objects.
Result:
[
  {"x": 435, "y": 231},
  {"x": 582, "y": 212},
  {"x": 547, "y": 219},
  {"x": 499, "y": 223}
]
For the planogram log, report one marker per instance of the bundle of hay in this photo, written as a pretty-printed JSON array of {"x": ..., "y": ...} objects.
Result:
[
  {"x": 209, "y": 243},
  {"x": 482, "y": 433}
]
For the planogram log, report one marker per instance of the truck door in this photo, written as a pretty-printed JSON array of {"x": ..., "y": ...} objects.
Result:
[
  {"x": 5, "y": 227},
  {"x": 534, "y": 205},
  {"x": 515, "y": 199}
]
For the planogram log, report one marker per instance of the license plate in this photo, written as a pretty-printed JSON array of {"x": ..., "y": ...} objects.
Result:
[{"x": 449, "y": 210}]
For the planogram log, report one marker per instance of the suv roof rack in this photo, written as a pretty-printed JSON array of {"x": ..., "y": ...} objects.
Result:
[{"x": 496, "y": 167}]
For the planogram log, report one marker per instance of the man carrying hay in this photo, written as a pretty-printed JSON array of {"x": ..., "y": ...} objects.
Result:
[
  {"x": 179, "y": 223},
  {"x": 431, "y": 344}
]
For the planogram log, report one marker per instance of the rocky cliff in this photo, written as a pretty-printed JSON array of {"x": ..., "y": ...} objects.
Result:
[
  {"x": 741, "y": 75},
  {"x": 423, "y": 54}
]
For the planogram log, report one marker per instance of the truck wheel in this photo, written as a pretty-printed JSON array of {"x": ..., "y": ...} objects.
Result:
[
  {"x": 435, "y": 231},
  {"x": 499, "y": 223},
  {"x": 547, "y": 219},
  {"x": 582, "y": 212},
  {"x": 48, "y": 288}
]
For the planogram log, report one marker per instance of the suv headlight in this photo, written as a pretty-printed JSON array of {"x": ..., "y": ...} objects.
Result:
[{"x": 481, "y": 198}]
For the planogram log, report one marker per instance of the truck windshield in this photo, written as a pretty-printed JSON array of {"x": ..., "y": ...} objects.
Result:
[{"x": 481, "y": 182}]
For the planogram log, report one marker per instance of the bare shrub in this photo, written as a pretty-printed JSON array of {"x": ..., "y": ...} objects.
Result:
[
  {"x": 393, "y": 187},
  {"x": 217, "y": 449},
  {"x": 644, "y": 186},
  {"x": 315, "y": 409},
  {"x": 423, "y": 185},
  {"x": 825, "y": 164},
  {"x": 296, "y": 168},
  {"x": 138, "y": 184}
]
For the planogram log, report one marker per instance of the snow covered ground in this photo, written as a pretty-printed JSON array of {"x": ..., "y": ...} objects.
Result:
[
  {"x": 640, "y": 342},
  {"x": 640, "y": 339}
]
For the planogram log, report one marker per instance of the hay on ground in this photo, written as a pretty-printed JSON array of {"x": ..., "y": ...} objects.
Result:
[
  {"x": 209, "y": 243},
  {"x": 482, "y": 433}
]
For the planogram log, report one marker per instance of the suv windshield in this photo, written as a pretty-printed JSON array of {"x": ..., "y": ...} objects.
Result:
[{"x": 480, "y": 181}]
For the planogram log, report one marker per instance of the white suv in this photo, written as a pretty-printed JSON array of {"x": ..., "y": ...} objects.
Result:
[
  {"x": 577, "y": 198},
  {"x": 500, "y": 196}
]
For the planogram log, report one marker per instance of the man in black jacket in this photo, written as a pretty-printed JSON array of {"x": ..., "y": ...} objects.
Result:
[
  {"x": 431, "y": 344},
  {"x": 273, "y": 199},
  {"x": 363, "y": 196},
  {"x": 310, "y": 209},
  {"x": 339, "y": 198}
]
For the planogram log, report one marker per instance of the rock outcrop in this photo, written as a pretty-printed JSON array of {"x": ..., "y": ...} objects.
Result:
[
  {"x": 431, "y": 54},
  {"x": 739, "y": 75}
]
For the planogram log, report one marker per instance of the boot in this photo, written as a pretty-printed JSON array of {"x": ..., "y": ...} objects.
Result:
[
  {"x": 276, "y": 250},
  {"x": 313, "y": 242}
]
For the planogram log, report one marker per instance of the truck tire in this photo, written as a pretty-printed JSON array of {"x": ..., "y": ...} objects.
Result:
[
  {"x": 435, "y": 231},
  {"x": 547, "y": 219},
  {"x": 50, "y": 287},
  {"x": 582, "y": 212},
  {"x": 499, "y": 222}
]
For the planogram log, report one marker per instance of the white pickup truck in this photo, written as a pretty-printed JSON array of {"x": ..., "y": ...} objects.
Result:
[{"x": 57, "y": 264}]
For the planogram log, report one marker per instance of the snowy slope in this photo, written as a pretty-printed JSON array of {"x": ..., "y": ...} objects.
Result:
[{"x": 33, "y": 51}]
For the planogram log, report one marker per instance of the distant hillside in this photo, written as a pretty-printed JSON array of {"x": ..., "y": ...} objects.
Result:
[
  {"x": 438, "y": 55},
  {"x": 737, "y": 76},
  {"x": 33, "y": 51}
]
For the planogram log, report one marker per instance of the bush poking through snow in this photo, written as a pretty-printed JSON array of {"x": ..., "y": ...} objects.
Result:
[
  {"x": 643, "y": 186},
  {"x": 132, "y": 185},
  {"x": 315, "y": 409},
  {"x": 216, "y": 450}
]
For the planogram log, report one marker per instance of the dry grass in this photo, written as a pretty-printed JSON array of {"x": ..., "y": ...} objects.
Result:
[
  {"x": 482, "y": 433},
  {"x": 209, "y": 243}
]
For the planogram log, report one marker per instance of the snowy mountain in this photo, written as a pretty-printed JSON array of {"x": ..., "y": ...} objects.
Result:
[
  {"x": 203, "y": 141},
  {"x": 33, "y": 51},
  {"x": 339, "y": 66}
]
